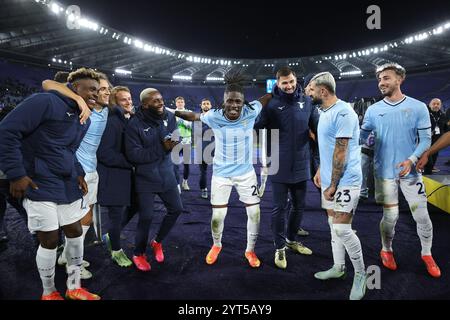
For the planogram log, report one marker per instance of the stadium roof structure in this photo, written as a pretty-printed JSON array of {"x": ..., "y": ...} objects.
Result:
[{"x": 44, "y": 32}]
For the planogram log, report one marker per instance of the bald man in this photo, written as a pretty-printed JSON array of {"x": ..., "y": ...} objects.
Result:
[
  {"x": 148, "y": 144},
  {"x": 438, "y": 128}
]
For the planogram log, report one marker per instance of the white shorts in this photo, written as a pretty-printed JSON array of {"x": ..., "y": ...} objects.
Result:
[
  {"x": 246, "y": 186},
  {"x": 413, "y": 188},
  {"x": 90, "y": 198},
  {"x": 345, "y": 199},
  {"x": 48, "y": 216}
]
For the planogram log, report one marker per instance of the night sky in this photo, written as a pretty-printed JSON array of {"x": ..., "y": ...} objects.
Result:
[{"x": 258, "y": 29}]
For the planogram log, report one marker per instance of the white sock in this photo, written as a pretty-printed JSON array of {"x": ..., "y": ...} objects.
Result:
[
  {"x": 74, "y": 254},
  {"x": 387, "y": 227},
  {"x": 424, "y": 227},
  {"x": 85, "y": 230},
  {"x": 352, "y": 244},
  {"x": 217, "y": 223},
  {"x": 253, "y": 217},
  {"x": 337, "y": 247},
  {"x": 46, "y": 260}
]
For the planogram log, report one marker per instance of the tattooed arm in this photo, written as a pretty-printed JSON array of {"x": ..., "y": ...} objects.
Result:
[{"x": 339, "y": 160}]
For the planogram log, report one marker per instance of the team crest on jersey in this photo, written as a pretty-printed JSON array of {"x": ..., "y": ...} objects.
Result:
[
  {"x": 408, "y": 112},
  {"x": 300, "y": 104},
  {"x": 165, "y": 123}
]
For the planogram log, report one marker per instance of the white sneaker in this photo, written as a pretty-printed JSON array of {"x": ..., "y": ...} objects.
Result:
[
  {"x": 63, "y": 261},
  {"x": 85, "y": 273},
  {"x": 185, "y": 186}
]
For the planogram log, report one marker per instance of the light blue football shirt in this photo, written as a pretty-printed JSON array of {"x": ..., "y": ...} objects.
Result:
[
  {"x": 234, "y": 140},
  {"x": 87, "y": 151},
  {"x": 396, "y": 129},
  {"x": 339, "y": 121}
]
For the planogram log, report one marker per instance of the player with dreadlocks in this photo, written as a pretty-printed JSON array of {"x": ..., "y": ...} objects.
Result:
[{"x": 232, "y": 125}]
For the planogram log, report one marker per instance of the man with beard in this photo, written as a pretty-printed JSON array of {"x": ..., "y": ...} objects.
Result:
[
  {"x": 397, "y": 121},
  {"x": 292, "y": 113},
  {"x": 339, "y": 178},
  {"x": 200, "y": 132},
  {"x": 232, "y": 165},
  {"x": 148, "y": 144},
  {"x": 38, "y": 141},
  {"x": 438, "y": 128}
]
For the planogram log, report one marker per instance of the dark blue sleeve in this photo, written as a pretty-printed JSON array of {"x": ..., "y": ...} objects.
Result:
[
  {"x": 20, "y": 122},
  {"x": 262, "y": 121},
  {"x": 107, "y": 152},
  {"x": 134, "y": 149},
  {"x": 314, "y": 119}
]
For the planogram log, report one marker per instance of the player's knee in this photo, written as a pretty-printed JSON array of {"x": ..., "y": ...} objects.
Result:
[
  {"x": 420, "y": 212},
  {"x": 342, "y": 229},
  {"x": 48, "y": 240},
  {"x": 391, "y": 214},
  {"x": 73, "y": 230},
  {"x": 254, "y": 213}
]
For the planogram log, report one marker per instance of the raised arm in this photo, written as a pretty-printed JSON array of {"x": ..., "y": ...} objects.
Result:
[
  {"x": 187, "y": 115},
  {"x": 85, "y": 112},
  {"x": 264, "y": 100},
  {"x": 339, "y": 160}
]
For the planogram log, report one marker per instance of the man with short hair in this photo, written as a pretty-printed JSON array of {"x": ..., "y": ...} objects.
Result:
[
  {"x": 87, "y": 152},
  {"x": 185, "y": 129},
  {"x": 339, "y": 178},
  {"x": 121, "y": 96},
  {"x": 397, "y": 121},
  {"x": 199, "y": 136},
  {"x": 293, "y": 114},
  {"x": 38, "y": 141}
]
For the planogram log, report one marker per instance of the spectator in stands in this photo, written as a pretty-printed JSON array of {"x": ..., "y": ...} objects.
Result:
[
  {"x": 185, "y": 129},
  {"x": 148, "y": 144},
  {"x": 28, "y": 150},
  {"x": 292, "y": 113},
  {"x": 438, "y": 128}
]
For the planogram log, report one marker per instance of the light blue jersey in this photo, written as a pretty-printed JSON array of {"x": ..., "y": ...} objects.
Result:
[
  {"x": 339, "y": 121},
  {"x": 87, "y": 151},
  {"x": 396, "y": 128},
  {"x": 234, "y": 140}
]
